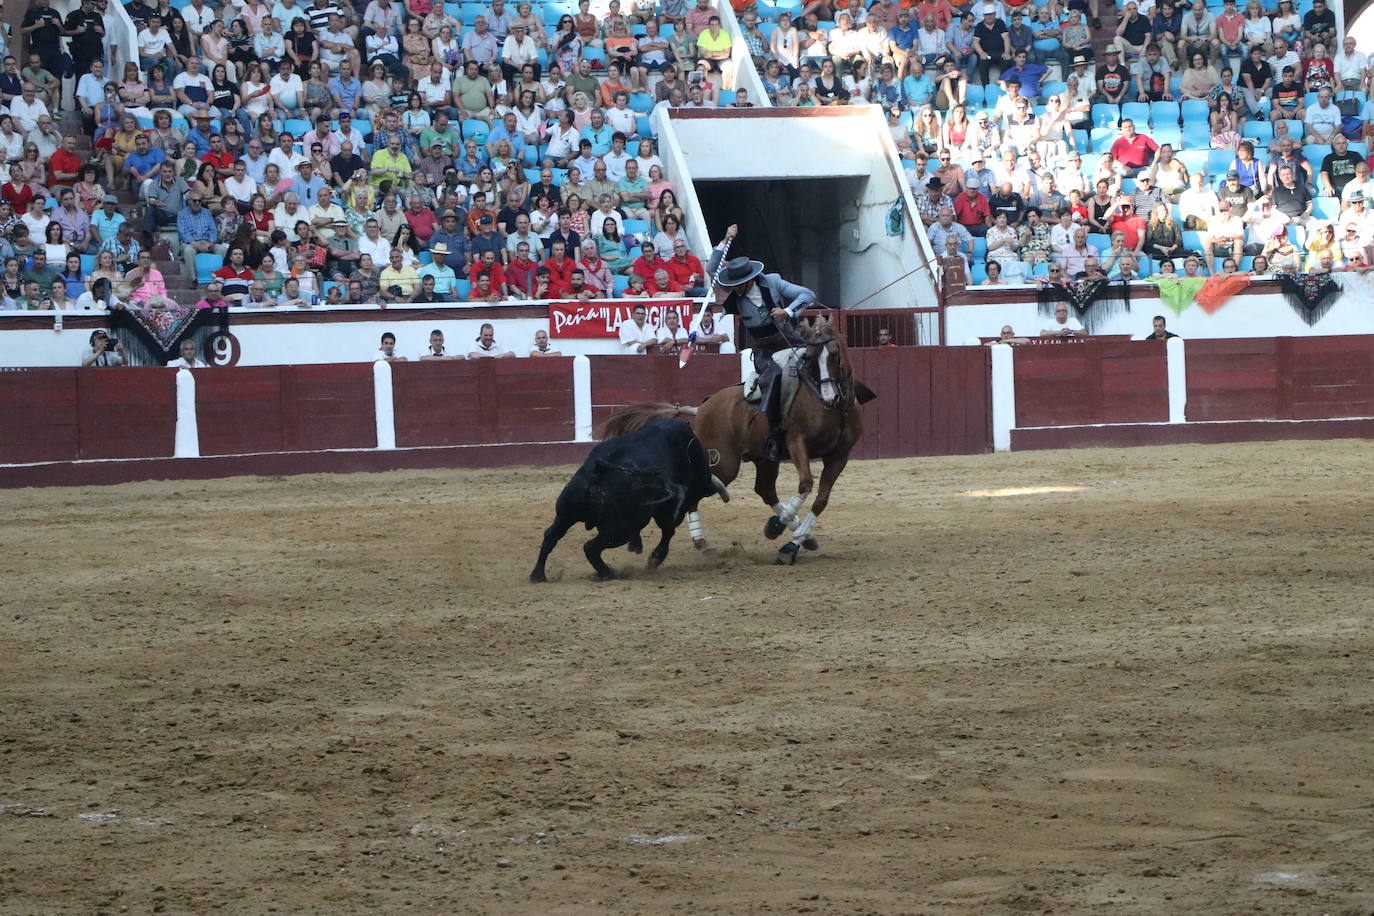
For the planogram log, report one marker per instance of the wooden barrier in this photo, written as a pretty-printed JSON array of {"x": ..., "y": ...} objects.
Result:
[
  {"x": 39, "y": 415},
  {"x": 249, "y": 409},
  {"x": 483, "y": 401},
  {"x": 621, "y": 380},
  {"x": 1093, "y": 382},
  {"x": 931, "y": 401},
  {"x": 1281, "y": 378},
  {"x": 127, "y": 413}
]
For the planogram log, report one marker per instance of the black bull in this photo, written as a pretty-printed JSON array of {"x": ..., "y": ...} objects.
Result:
[{"x": 658, "y": 473}]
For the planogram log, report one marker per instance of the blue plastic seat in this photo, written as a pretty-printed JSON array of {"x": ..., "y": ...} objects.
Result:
[
  {"x": 1258, "y": 129},
  {"x": 978, "y": 273},
  {"x": 1139, "y": 112},
  {"x": 1049, "y": 89},
  {"x": 1326, "y": 207},
  {"x": 1195, "y": 110},
  {"x": 973, "y": 98},
  {"x": 1196, "y": 135},
  {"x": 1164, "y": 114},
  {"x": 1105, "y": 115},
  {"x": 1194, "y": 160},
  {"x": 980, "y": 248},
  {"x": 474, "y": 129},
  {"x": 1192, "y": 240},
  {"x": 297, "y": 127},
  {"x": 643, "y": 126},
  {"x": 206, "y": 265},
  {"x": 1099, "y": 241},
  {"x": 620, "y": 283},
  {"x": 1103, "y": 138},
  {"x": 1169, "y": 134},
  {"x": 727, "y": 98},
  {"x": 642, "y": 102},
  {"x": 595, "y": 55},
  {"x": 1219, "y": 161},
  {"x": 1316, "y": 152},
  {"x": 636, "y": 227}
]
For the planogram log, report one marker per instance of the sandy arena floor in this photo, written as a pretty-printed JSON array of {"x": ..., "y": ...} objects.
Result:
[{"x": 340, "y": 695}]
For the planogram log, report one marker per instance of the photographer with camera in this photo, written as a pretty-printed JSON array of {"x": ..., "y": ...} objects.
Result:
[{"x": 105, "y": 351}]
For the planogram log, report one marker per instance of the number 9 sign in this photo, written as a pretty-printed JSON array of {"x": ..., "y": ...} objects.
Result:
[{"x": 222, "y": 349}]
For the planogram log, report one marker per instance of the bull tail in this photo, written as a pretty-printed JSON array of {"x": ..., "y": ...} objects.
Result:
[{"x": 637, "y": 416}]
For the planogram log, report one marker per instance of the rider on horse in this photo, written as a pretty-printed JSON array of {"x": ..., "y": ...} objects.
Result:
[{"x": 768, "y": 307}]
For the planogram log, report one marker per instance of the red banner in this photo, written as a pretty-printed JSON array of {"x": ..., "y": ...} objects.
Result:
[{"x": 602, "y": 318}]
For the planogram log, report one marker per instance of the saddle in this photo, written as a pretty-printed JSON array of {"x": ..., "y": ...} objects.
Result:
[{"x": 790, "y": 361}]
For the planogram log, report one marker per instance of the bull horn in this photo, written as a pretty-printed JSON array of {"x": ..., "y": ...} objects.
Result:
[
  {"x": 720, "y": 488},
  {"x": 686, "y": 411}
]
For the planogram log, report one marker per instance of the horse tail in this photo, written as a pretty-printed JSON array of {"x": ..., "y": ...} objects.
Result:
[{"x": 637, "y": 416}]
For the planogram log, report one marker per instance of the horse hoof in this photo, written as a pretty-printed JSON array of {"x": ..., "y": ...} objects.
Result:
[
  {"x": 702, "y": 545},
  {"x": 811, "y": 544},
  {"x": 787, "y": 554},
  {"x": 773, "y": 528}
]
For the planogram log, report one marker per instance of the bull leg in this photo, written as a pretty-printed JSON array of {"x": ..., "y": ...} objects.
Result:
[
  {"x": 635, "y": 545},
  {"x": 796, "y": 445},
  {"x": 552, "y": 535},
  {"x": 831, "y": 468},
  {"x": 668, "y": 526},
  {"x": 593, "y": 549}
]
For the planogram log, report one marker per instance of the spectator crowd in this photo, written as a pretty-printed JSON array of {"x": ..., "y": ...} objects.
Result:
[{"x": 376, "y": 152}]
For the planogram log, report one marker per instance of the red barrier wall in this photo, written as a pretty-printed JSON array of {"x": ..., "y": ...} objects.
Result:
[
  {"x": 931, "y": 401},
  {"x": 246, "y": 409},
  {"x": 38, "y": 415},
  {"x": 1280, "y": 378},
  {"x": 68, "y": 414},
  {"x": 621, "y": 380},
  {"x": 483, "y": 401},
  {"x": 1092, "y": 382}
]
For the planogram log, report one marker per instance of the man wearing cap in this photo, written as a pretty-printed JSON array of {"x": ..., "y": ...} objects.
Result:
[
  {"x": 1225, "y": 235},
  {"x": 768, "y": 307},
  {"x": 105, "y": 221},
  {"x": 1234, "y": 193},
  {"x": 100, "y": 352},
  {"x": 1113, "y": 79},
  {"x": 445, "y": 278},
  {"x": 452, "y": 236},
  {"x": 929, "y": 204}
]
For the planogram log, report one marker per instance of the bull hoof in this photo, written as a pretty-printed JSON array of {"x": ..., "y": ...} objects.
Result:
[
  {"x": 811, "y": 544},
  {"x": 537, "y": 577},
  {"x": 635, "y": 546},
  {"x": 787, "y": 553},
  {"x": 655, "y": 561},
  {"x": 607, "y": 576},
  {"x": 773, "y": 528}
]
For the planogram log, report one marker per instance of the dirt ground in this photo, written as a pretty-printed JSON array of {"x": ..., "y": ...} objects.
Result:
[{"x": 339, "y": 695}]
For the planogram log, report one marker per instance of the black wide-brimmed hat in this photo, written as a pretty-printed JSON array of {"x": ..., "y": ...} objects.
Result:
[{"x": 739, "y": 271}]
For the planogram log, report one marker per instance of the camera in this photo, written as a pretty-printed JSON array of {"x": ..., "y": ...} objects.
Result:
[{"x": 111, "y": 343}]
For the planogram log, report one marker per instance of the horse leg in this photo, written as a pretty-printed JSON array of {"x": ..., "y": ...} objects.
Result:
[
  {"x": 796, "y": 445},
  {"x": 727, "y": 469},
  {"x": 831, "y": 468},
  {"x": 552, "y": 535},
  {"x": 766, "y": 486}
]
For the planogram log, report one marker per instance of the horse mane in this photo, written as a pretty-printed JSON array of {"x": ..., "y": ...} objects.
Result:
[{"x": 637, "y": 416}]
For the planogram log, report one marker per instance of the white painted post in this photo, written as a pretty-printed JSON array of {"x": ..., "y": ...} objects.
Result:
[
  {"x": 1178, "y": 380},
  {"x": 582, "y": 399},
  {"x": 1003, "y": 397},
  {"x": 746, "y": 364},
  {"x": 187, "y": 441},
  {"x": 385, "y": 405}
]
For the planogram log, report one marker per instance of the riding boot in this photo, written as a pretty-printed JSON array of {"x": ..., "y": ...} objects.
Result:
[{"x": 770, "y": 404}]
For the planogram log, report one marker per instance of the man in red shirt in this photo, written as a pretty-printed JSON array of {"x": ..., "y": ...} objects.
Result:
[
  {"x": 219, "y": 157},
  {"x": 686, "y": 270},
  {"x": 971, "y": 210},
  {"x": 487, "y": 263},
  {"x": 560, "y": 267},
  {"x": 65, "y": 165},
  {"x": 478, "y": 211},
  {"x": 1129, "y": 223},
  {"x": 520, "y": 272},
  {"x": 422, "y": 220},
  {"x": 644, "y": 265},
  {"x": 663, "y": 284},
  {"x": 1133, "y": 152}
]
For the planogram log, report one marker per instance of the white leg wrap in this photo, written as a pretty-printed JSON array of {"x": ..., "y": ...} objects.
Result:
[
  {"x": 788, "y": 511},
  {"x": 694, "y": 525},
  {"x": 804, "y": 529}
]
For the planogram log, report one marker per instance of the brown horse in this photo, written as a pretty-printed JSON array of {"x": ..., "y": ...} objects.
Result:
[{"x": 822, "y": 422}]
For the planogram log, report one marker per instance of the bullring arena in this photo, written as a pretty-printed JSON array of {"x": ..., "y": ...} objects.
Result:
[{"x": 339, "y": 694}]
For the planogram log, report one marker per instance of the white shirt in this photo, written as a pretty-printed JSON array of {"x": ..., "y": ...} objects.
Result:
[
  {"x": 286, "y": 91},
  {"x": 1071, "y": 323},
  {"x": 723, "y": 325},
  {"x": 242, "y": 191},
  {"x": 1324, "y": 119},
  {"x": 25, "y": 115},
  {"x": 518, "y": 53},
  {"x": 150, "y": 45},
  {"x": 615, "y": 165},
  {"x": 624, "y": 120},
  {"x": 284, "y": 161},
  {"x": 666, "y": 336},
  {"x": 632, "y": 335},
  {"x": 37, "y": 227},
  {"x": 1351, "y": 67},
  {"x": 181, "y": 363},
  {"x": 198, "y": 21},
  {"x": 432, "y": 91},
  {"x": 380, "y": 250}
]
